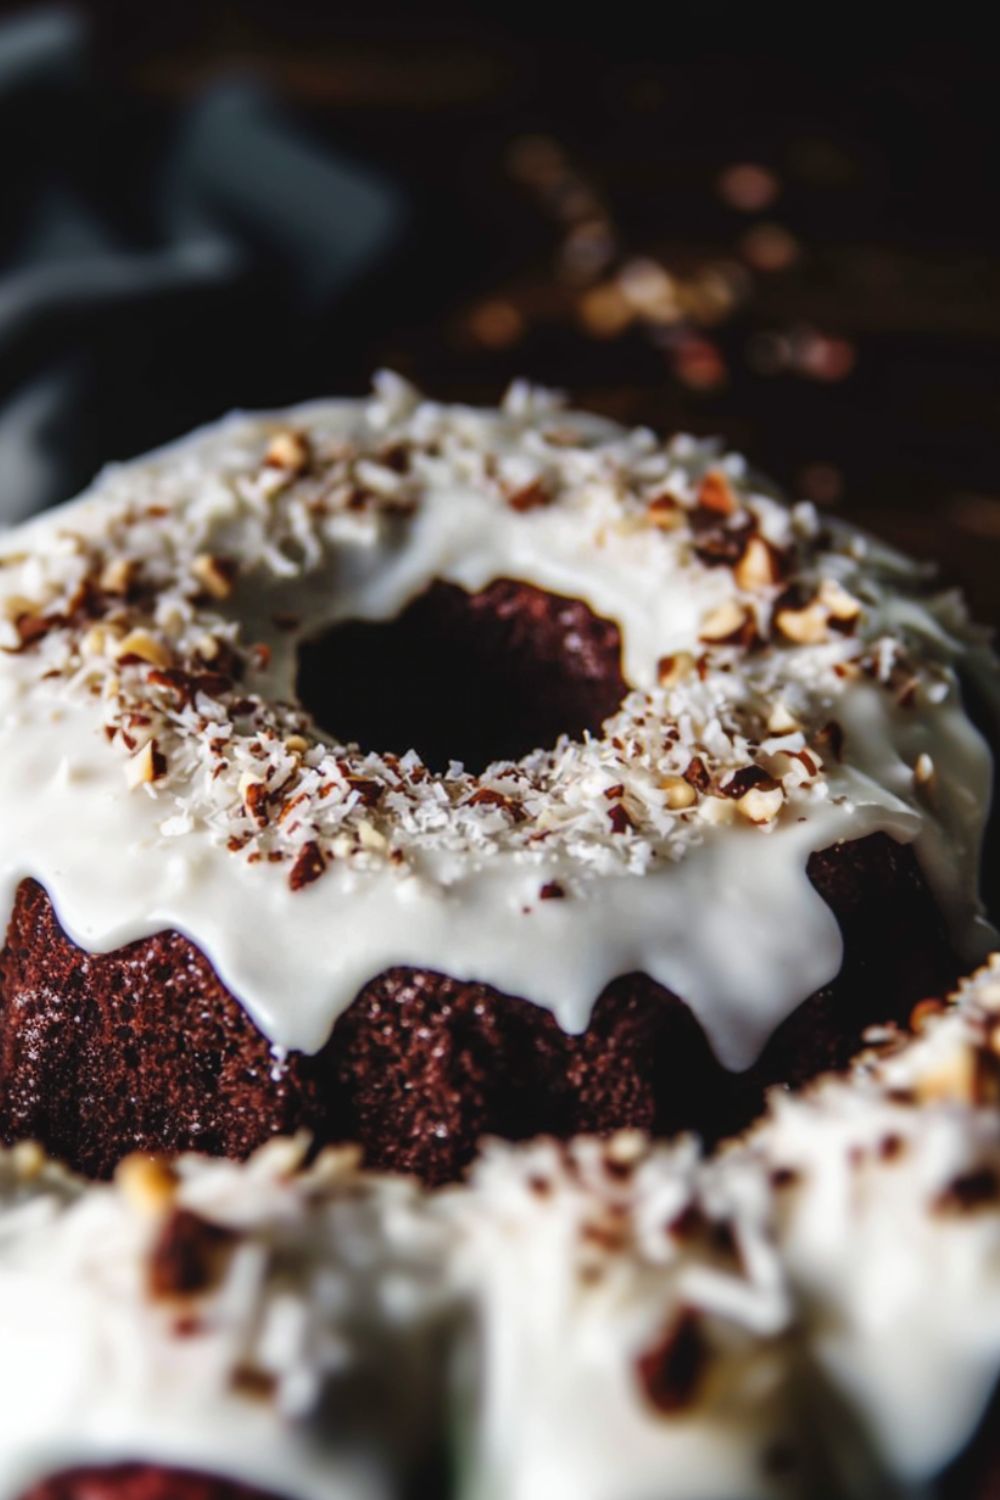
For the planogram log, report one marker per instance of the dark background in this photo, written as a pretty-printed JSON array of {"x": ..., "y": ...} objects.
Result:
[{"x": 572, "y": 213}]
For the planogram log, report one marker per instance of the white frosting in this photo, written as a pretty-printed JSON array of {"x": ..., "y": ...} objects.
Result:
[
  {"x": 330, "y": 1296},
  {"x": 837, "y": 1274},
  {"x": 709, "y": 903}
]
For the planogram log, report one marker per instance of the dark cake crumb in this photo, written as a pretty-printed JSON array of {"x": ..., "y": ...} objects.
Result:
[{"x": 145, "y": 1049}]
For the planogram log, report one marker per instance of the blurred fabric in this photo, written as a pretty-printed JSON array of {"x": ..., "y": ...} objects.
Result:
[{"x": 125, "y": 318}]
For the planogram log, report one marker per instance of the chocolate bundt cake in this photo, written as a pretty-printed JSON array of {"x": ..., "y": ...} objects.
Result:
[
  {"x": 814, "y": 1311},
  {"x": 409, "y": 773}
]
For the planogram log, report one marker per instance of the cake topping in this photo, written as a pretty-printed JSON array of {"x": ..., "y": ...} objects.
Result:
[
  {"x": 632, "y": 1317},
  {"x": 769, "y": 659}
]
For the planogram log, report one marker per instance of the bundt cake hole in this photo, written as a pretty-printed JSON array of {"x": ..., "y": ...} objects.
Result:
[{"x": 470, "y": 677}]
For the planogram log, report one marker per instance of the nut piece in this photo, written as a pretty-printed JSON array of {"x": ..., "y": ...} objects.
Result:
[
  {"x": 671, "y": 669},
  {"x": 761, "y": 804},
  {"x": 838, "y": 603},
  {"x": 953, "y": 1078},
  {"x": 145, "y": 765},
  {"x": 531, "y": 496},
  {"x": 716, "y": 810},
  {"x": 288, "y": 450},
  {"x": 780, "y": 721},
  {"x": 923, "y": 772},
  {"x": 254, "y": 793},
  {"x": 807, "y": 626},
  {"x": 665, "y": 513},
  {"x": 627, "y": 1147},
  {"x": 148, "y": 1183},
  {"x": 726, "y": 624},
  {"x": 17, "y": 607},
  {"x": 117, "y": 575},
  {"x": 215, "y": 574},
  {"x": 715, "y": 494},
  {"x": 145, "y": 646},
  {"x": 794, "y": 767},
  {"x": 28, "y": 1160},
  {"x": 758, "y": 567},
  {"x": 370, "y": 838},
  {"x": 98, "y": 639},
  {"x": 678, "y": 793}
]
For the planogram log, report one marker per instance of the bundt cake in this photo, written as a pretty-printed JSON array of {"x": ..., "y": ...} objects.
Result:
[
  {"x": 813, "y": 1311},
  {"x": 410, "y": 773}
]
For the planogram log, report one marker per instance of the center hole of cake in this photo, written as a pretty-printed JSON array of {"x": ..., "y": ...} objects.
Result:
[{"x": 466, "y": 677}]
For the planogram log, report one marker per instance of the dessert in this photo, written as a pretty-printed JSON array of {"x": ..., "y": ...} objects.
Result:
[
  {"x": 409, "y": 773},
  {"x": 813, "y": 1310}
]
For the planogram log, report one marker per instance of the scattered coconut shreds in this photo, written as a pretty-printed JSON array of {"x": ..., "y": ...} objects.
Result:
[{"x": 130, "y": 612}]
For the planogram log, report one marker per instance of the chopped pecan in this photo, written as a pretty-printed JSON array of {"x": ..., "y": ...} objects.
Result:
[{"x": 309, "y": 865}]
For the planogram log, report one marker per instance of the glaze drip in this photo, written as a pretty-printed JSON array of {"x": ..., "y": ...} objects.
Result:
[{"x": 793, "y": 685}]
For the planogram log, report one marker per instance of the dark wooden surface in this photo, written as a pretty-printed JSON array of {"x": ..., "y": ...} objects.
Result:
[{"x": 845, "y": 332}]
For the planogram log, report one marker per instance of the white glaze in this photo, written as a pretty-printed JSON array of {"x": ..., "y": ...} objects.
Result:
[
  {"x": 723, "y": 915},
  {"x": 333, "y": 1284},
  {"x": 857, "y": 1326}
]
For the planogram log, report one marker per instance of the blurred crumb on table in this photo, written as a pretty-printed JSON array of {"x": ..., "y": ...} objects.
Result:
[{"x": 723, "y": 239}]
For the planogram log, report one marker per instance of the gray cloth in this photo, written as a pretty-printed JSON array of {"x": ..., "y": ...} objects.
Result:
[{"x": 156, "y": 267}]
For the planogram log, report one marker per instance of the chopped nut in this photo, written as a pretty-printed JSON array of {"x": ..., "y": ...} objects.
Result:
[
  {"x": 744, "y": 780},
  {"x": 696, "y": 772},
  {"x": 254, "y": 793},
  {"x": 215, "y": 574},
  {"x": 309, "y": 866},
  {"x": 207, "y": 648},
  {"x": 671, "y": 669},
  {"x": 924, "y": 1011},
  {"x": 28, "y": 1160},
  {"x": 296, "y": 744},
  {"x": 16, "y": 607},
  {"x": 794, "y": 766},
  {"x": 665, "y": 513},
  {"x": 148, "y": 1183},
  {"x": 953, "y": 1078},
  {"x": 837, "y": 602},
  {"x": 253, "y": 1383},
  {"x": 627, "y": 1147},
  {"x": 97, "y": 640},
  {"x": 189, "y": 1256},
  {"x": 923, "y": 772},
  {"x": 370, "y": 837},
  {"x": 619, "y": 818},
  {"x": 715, "y": 493},
  {"x": 139, "y": 643},
  {"x": 761, "y": 804},
  {"x": 808, "y": 626},
  {"x": 529, "y": 497},
  {"x": 678, "y": 793},
  {"x": 725, "y": 624},
  {"x": 780, "y": 721},
  {"x": 117, "y": 575},
  {"x": 758, "y": 568},
  {"x": 288, "y": 450},
  {"x": 716, "y": 810},
  {"x": 145, "y": 765}
]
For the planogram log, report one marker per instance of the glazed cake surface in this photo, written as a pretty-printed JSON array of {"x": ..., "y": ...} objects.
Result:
[
  {"x": 813, "y": 1311},
  {"x": 764, "y": 730}
]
